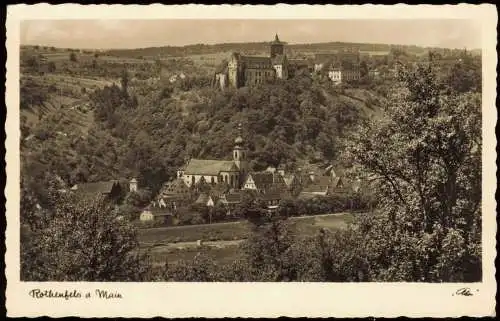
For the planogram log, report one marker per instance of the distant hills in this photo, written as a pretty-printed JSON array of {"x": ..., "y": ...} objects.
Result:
[
  {"x": 256, "y": 47},
  {"x": 260, "y": 47}
]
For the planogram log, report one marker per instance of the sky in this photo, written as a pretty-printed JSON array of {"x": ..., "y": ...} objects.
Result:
[{"x": 114, "y": 34}]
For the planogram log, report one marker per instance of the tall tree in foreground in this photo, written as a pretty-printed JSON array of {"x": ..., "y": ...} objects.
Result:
[
  {"x": 426, "y": 153},
  {"x": 79, "y": 240}
]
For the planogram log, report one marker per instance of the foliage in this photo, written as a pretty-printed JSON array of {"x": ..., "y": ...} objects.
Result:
[
  {"x": 79, "y": 240},
  {"x": 426, "y": 154}
]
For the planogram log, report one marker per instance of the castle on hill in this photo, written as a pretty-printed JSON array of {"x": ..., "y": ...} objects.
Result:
[{"x": 251, "y": 70}]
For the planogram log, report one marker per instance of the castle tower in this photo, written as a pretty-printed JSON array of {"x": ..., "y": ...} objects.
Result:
[
  {"x": 240, "y": 155},
  {"x": 277, "y": 47}
]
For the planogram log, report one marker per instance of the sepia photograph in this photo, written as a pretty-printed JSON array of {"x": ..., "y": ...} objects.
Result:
[{"x": 263, "y": 150}]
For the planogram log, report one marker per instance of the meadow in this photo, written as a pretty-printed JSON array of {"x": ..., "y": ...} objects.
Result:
[{"x": 221, "y": 240}]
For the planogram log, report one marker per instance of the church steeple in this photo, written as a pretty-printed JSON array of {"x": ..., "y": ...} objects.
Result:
[{"x": 240, "y": 154}]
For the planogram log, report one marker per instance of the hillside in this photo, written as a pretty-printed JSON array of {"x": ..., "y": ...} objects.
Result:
[
  {"x": 149, "y": 133},
  {"x": 119, "y": 120}
]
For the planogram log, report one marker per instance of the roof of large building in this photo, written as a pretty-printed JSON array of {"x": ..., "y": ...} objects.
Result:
[
  {"x": 256, "y": 62},
  {"x": 96, "y": 187},
  {"x": 209, "y": 167}
]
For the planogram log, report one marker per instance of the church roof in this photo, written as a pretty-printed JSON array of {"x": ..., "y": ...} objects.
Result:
[{"x": 209, "y": 167}]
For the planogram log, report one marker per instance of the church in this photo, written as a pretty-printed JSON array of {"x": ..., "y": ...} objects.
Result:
[
  {"x": 231, "y": 172},
  {"x": 243, "y": 70}
]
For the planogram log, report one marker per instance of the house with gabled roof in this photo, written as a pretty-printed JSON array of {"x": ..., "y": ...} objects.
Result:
[
  {"x": 263, "y": 181},
  {"x": 111, "y": 190},
  {"x": 230, "y": 199},
  {"x": 320, "y": 186},
  {"x": 206, "y": 199},
  {"x": 175, "y": 191},
  {"x": 156, "y": 213}
]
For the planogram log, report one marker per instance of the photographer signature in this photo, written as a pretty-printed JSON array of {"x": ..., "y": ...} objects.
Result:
[{"x": 464, "y": 292}]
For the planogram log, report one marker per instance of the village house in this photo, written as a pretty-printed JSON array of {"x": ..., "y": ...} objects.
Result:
[
  {"x": 173, "y": 194},
  {"x": 263, "y": 181},
  {"x": 323, "y": 186},
  {"x": 157, "y": 213},
  {"x": 206, "y": 199},
  {"x": 272, "y": 199},
  {"x": 110, "y": 190},
  {"x": 344, "y": 72}
]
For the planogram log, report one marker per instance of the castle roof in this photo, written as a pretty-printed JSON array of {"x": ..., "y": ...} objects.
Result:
[
  {"x": 209, "y": 167},
  {"x": 276, "y": 40},
  {"x": 256, "y": 62}
]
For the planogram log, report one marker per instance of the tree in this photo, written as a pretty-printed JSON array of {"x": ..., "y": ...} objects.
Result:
[
  {"x": 72, "y": 57},
  {"x": 82, "y": 241},
  {"x": 426, "y": 153}
]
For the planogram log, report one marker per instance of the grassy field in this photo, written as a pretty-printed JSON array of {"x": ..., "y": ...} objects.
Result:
[
  {"x": 224, "y": 248},
  {"x": 305, "y": 225},
  {"x": 192, "y": 233}
]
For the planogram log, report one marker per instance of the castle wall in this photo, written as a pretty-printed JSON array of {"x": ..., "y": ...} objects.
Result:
[{"x": 255, "y": 76}]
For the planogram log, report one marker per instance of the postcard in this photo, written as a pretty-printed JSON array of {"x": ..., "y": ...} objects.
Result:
[{"x": 250, "y": 161}]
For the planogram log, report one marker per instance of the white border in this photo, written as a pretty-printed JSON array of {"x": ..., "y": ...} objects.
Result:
[{"x": 254, "y": 299}]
